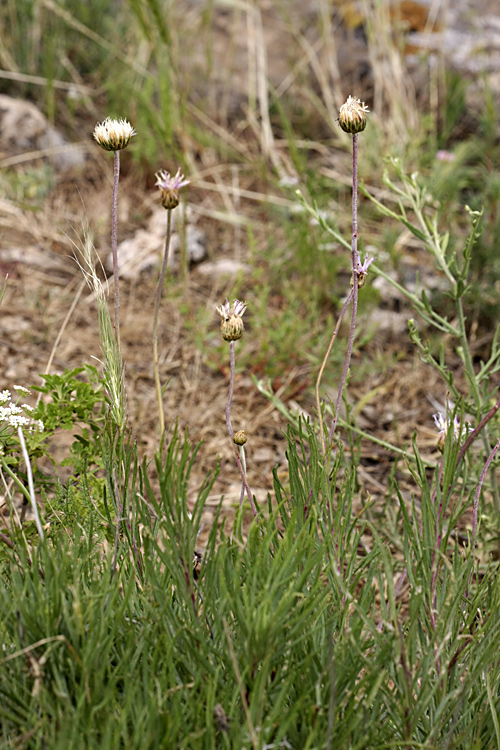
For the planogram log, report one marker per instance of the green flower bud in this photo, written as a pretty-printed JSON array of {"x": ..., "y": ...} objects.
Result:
[{"x": 240, "y": 437}]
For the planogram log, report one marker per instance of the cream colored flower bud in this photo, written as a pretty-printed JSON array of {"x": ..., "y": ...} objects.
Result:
[
  {"x": 232, "y": 324},
  {"x": 352, "y": 116},
  {"x": 113, "y": 135},
  {"x": 240, "y": 437}
]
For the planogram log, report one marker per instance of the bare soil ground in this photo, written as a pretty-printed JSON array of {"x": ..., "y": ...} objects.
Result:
[{"x": 393, "y": 398}]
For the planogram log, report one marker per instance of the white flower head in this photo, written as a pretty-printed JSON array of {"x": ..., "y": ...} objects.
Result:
[
  {"x": 113, "y": 135},
  {"x": 22, "y": 389},
  {"x": 15, "y": 414},
  {"x": 226, "y": 310},
  {"x": 16, "y": 420},
  {"x": 444, "y": 424}
]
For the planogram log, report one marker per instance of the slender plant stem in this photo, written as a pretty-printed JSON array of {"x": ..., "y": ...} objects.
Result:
[
  {"x": 232, "y": 366},
  {"x": 5, "y": 539},
  {"x": 478, "y": 491},
  {"x": 322, "y": 368},
  {"x": 473, "y": 435},
  {"x": 156, "y": 316},
  {"x": 30, "y": 483},
  {"x": 20, "y": 486},
  {"x": 114, "y": 240},
  {"x": 245, "y": 484},
  {"x": 469, "y": 367},
  {"x": 241, "y": 464},
  {"x": 355, "y": 263},
  {"x": 241, "y": 452},
  {"x": 467, "y": 359}
]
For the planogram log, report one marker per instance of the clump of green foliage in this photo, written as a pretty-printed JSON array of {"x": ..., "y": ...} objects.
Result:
[{"x": 287, "y": 638}]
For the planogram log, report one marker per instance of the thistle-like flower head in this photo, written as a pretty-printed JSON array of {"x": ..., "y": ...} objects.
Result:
[
  {"x": 169, "y": 187},
  {"x": 362, "y": 270},
  {"x": 232, "y": 324},
  {"x": 113, "y": 135},
  {"x": 443, "y": 424},
  {"x": 352, "y": 116}
]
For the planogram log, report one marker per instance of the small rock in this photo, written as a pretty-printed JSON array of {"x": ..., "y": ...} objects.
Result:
[
  {"x": 23, "y": 128},
  {"x": 223, "y": 267},
  {"x": 144, "y": 251},
  {"x": 31, "y": 255},
  {"x": 263, "y": 455}
]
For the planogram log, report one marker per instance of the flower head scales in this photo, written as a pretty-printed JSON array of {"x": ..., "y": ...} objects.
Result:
[{"x": 232, "y": 324}]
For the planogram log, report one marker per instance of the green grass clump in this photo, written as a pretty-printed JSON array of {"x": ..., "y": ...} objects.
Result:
[{"x": 288, "y": 637}]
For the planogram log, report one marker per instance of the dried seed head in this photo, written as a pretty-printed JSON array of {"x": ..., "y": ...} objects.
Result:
[
  {"x": 169, "y": 187},
  {"x": 240, "y": 437},
  {"x": 352, "y": 116},
  {"x": 113, "y": 135},
  {"x": 232, "y": 324}
]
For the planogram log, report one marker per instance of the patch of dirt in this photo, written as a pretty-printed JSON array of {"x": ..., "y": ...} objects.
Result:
[{"x": 394, "y": 398}]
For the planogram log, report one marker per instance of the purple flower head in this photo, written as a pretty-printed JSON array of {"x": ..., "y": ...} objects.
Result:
[
  {"x": 362, "y": 270},
  {"x": 443, "y": 424},
  {"x": 443, "y": 155},
  {"x": 227, "y": 311},
  {"x": 169, "y": 187}
]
